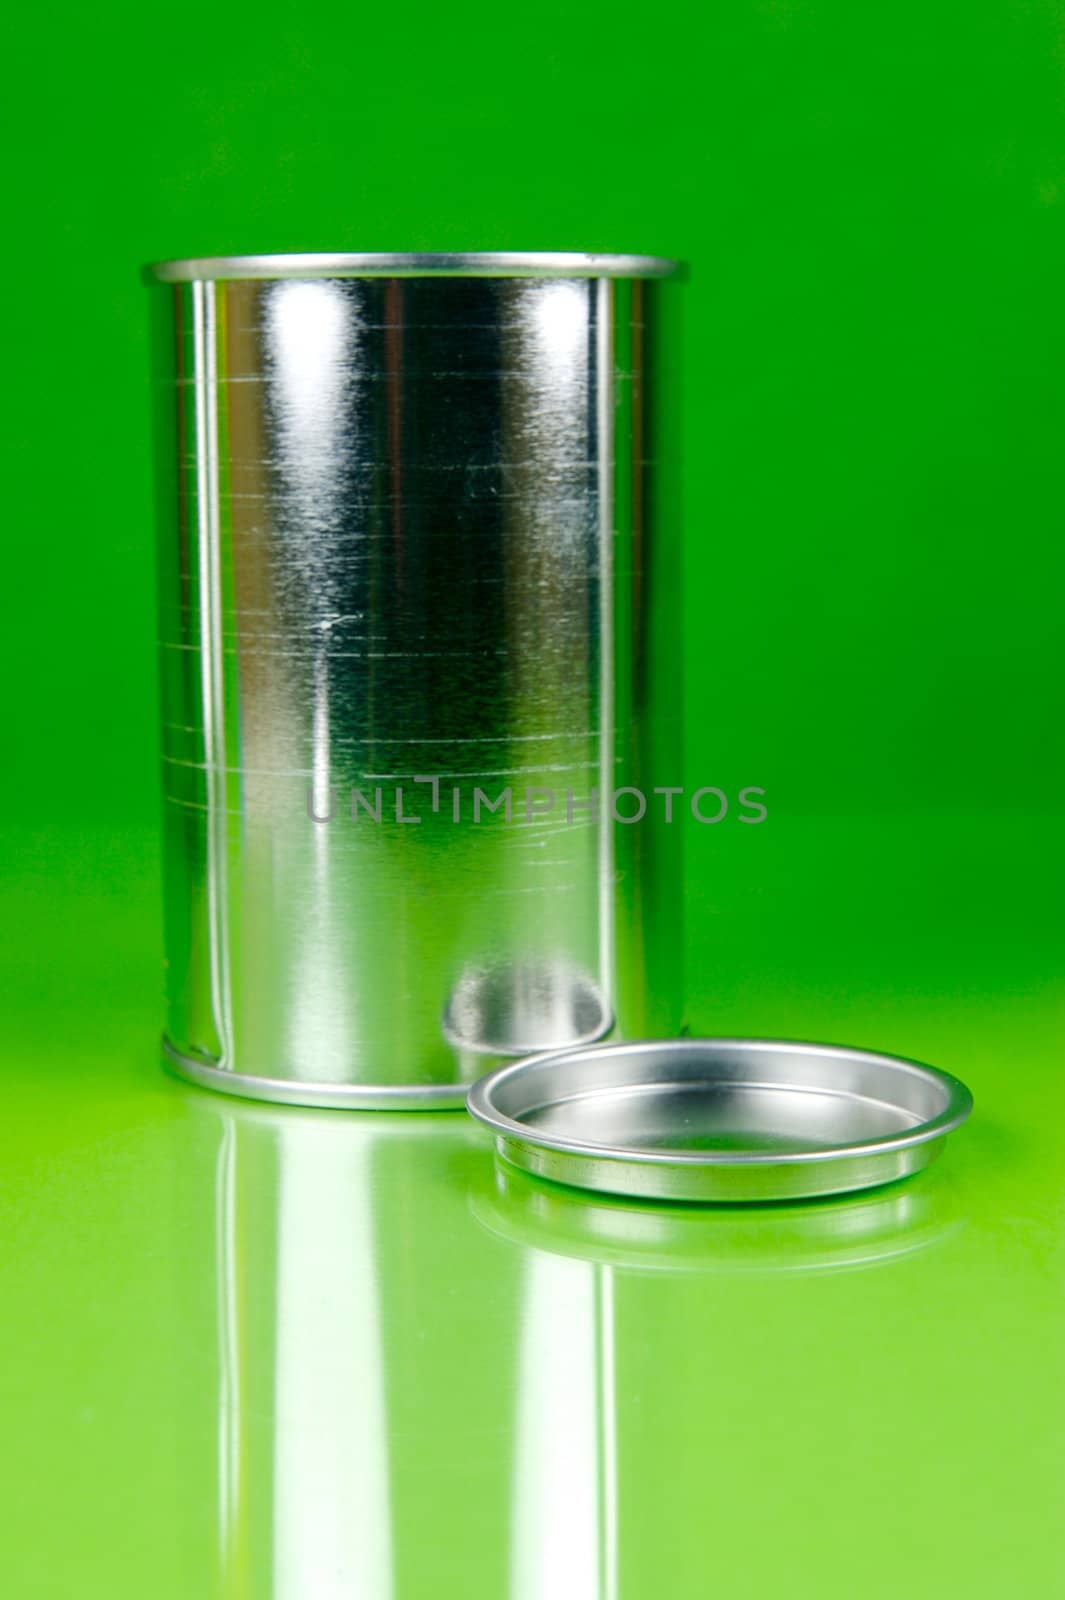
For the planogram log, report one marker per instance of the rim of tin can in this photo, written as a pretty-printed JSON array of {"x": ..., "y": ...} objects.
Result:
[{"x": 414, "y": 264}]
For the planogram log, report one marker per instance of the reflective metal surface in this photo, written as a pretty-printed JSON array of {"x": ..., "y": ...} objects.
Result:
[
  {"x": 408, "y": 653},
  {"x": 720, "y": 1119},
  {"x": 483, "y": 264}
]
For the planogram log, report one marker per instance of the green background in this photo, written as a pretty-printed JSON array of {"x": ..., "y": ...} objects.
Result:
[{"x": 871, "y": 202}]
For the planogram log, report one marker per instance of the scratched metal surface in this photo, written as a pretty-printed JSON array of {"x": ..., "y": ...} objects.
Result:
[{"x": 410, "y": 563}]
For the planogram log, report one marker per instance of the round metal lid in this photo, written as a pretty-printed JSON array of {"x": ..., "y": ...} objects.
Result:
[
  {"x": 416, "y": 264},
  {"x": 719, "y": 1119}
]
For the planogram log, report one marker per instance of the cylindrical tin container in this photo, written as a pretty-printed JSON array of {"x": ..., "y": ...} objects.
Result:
[{"x": 418, "y": 629}]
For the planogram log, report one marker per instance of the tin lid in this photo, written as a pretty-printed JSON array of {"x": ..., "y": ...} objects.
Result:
[
  {"x": 719, "y": 1119},
  {"x": 415, "y": 264}
]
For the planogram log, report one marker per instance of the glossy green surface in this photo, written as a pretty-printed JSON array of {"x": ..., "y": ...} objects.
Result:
[
  {"x": 262, "y": 1352},
  {"x": 268, "y": 1355}
]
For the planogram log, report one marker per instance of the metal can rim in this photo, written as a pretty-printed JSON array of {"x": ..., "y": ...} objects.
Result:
[{"x": 413, "y": 264}]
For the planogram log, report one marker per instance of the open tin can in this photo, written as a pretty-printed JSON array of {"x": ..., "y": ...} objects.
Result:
[{"x": 419, "y": 617}]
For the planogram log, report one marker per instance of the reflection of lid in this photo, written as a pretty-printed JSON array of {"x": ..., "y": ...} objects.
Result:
[
  {"x": 719, "y": 1119},
  {"x": 807, "y": 1237}
]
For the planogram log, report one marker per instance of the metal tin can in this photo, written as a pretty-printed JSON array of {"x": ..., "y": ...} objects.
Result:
[{"x": 419, "y": 635}]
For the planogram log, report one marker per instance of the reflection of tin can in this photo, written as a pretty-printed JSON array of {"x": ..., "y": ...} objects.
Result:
[
  {"x": 333, "y": 1288},
  {"x": 409, "y": 658}
]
